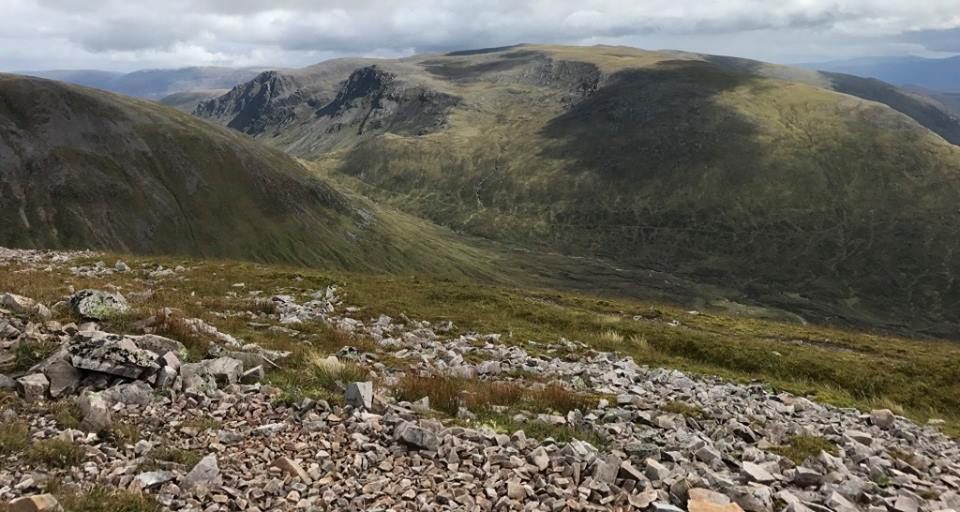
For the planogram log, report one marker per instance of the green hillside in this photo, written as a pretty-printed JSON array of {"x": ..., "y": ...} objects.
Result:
[{"x": 779, "y": 182}]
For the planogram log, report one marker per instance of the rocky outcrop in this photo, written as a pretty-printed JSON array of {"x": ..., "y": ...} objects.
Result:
[{"x": 98, "y": 305}]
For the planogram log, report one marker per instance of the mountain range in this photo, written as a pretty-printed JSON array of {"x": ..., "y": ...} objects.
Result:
[
  {"x": 154, "y": 84},
  {"x": 941, "y": 74},
  {"x": 796, "y": 188}
]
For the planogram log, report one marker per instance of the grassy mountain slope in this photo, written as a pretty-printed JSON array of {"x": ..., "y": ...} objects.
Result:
[
  {"x": 773, "y": 180},
  {"x": 85, "y": 168}
]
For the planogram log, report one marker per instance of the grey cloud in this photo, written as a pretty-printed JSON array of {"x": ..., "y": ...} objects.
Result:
[{"x": 290, "y": 32}]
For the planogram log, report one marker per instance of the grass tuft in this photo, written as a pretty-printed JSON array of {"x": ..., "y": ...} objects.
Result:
[
  {"x": 103, "y": 499},
  {"x": 30, "y": 353},
  {"x": 55, "y": 452},
  {"x": 684, "y": 409},
  {"x": 800, "y": 447},
  {"x": 14, "y": 438}
]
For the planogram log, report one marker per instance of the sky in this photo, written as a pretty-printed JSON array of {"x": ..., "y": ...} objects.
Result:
[{"x": 124, "y": 35}]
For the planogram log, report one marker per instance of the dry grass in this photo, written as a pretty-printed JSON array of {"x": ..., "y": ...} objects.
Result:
[
  {"x": 171, "y": 455},
  {"x": 172, "y": 324},
  {"x": 104, "y": 499},
  {"x": 14, "y": 438},
  {"x": 56, "y": 453},
  {"x": 448, "y": 394}
]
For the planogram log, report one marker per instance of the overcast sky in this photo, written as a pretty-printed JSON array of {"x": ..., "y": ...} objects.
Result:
[{"x": 124, "y": 35}]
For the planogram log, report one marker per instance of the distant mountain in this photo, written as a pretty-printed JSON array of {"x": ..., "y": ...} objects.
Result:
[
  {"x": 936, "y": 74},
  {"x": 766, "y": 178},
  {"x": 83, "y": 168},
  {"x": 187, "y": 101},
  {"x": 154, "y": 83}
]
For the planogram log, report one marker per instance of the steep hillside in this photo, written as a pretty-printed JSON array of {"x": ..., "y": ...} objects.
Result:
[
  {"x": 778, "y": 181},
  {"x": 84, "y": 168}
]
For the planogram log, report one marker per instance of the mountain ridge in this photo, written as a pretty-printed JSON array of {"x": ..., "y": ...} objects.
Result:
[{"x": 676, "y": 161}]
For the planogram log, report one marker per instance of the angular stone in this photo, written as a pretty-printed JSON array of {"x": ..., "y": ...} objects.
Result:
[
  {"x": 708, "y": 454},
  {"x": 291, "y": 467},
  {"x": 838, "y": 503},
  {"x": 64, "y": 378},
  {"x": 416, "y": 436},
  {"x": 98, "y": 305},
  {"x": 36, "y": 503},
  {"x": 539, "y": 458},
  {"x": 806, "y": 477},
  {"x": 655, "y": 471},
  {"x": 34, "y": 387},
  {"x": 906, "y": 504},
  {"x": 642, "y": 500},
  {"x": 96, "y": 413},
  {"x": 860, "y": 437},
  {"x": 112, "y": 354},
  {"x": 134, "y": 393},
  {"x": 223, "y": 371},
  {"x": 756, "y": 473},
  {"x": 883, "y": 418},
  {"x": 607, "y": 469},
  {"x": 206, "y": 474},
  {"x": 153, "y": 479},
  {"x": 515, "y": 490},
  {"x": 359, "y": 395}
]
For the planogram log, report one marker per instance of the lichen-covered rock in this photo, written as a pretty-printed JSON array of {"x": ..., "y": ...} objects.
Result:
[
  {"x": 96, "y": 413},
  {"x": 98, "y": 305},
  {"x": 111, "y": 353},
  {"x": 211, "y": 373}
]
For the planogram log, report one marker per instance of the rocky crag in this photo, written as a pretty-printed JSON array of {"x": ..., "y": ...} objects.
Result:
[{"x": 655, "y": 439}]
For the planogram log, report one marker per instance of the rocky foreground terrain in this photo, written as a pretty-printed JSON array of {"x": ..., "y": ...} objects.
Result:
[{"x": 135, "y": 412}]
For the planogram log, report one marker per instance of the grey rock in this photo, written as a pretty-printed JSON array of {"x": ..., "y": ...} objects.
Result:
[
  {"x": 838, "y": 503},
  {"x": 806, "y": 477},
  {"x": 220, "y": 372},
  {"x": 656, "y": 471},
  {"x": 17, "y": 304},
  {"x": 883, "y": 418},
  {"x": 416, "y": 436},
  {"x": 34, "y": 387},
  {"x": 206, "y": 475},
  {"x": 359, "y": 395},
  {"x": 906, "y": 504},
  {"x": 98, "y": 305},
  {"x": 96, "y": 413},
  {"x": 64, "y": 378},
  {"x": 607, "y": 469},
  {"x": 539, "y": 458},
  {"x": 134, "y": 393},
  {"x": 756, "y": 473},
  {"x": 152, "y": 479}
]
